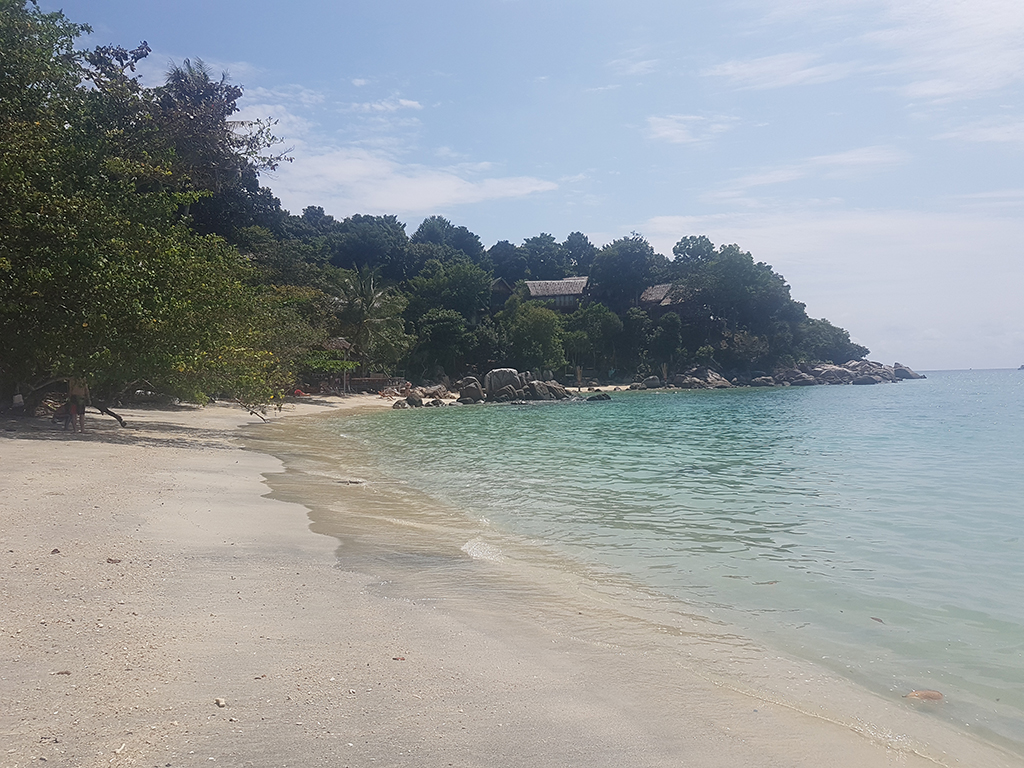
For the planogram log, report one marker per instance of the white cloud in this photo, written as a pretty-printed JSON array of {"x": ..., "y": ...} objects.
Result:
[
  {"x": 994, "y": 201},
  {"x": 780, "y": 70},
  {"x": 289, "y": 125},
  {"x": 687, "y": 129},
  {"x": 852, "y": 163},
  {"x": 359, "y": 180},
  {"x": 954, "y": 49},
  {"x": 386, "y": 105},
  {"x": 633, "y": 63},
  {"x": 933, "y": 50},
  {"x": 359, "y": 82},
  {"x": 998, "y": 130},
  {"x": 292, "y": 94}
]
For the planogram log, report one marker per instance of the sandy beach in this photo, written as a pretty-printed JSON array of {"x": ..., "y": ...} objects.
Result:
[{"x": 158, "y": 609}]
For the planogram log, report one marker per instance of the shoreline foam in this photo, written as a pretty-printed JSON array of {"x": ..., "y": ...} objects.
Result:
[{"x": 176, "y": 583}]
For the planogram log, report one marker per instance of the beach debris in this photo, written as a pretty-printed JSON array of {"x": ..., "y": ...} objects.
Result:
[
  {"x": 113, "y": 560},
  {"x": 220, "y": 702},
  {"x": 54, "y": 551},
  {"x": 875, "y": 618},
  {"x": 924, "y": 695},
  {"x": 765, "y": 583},
  {"x": 62, "y": 672},
  {"x": 398, "y": 658}
]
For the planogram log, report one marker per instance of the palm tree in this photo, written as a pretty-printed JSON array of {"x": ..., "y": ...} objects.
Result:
[
  {"x": 211, "y": 150},
  {"x": 371, "y": 318}
]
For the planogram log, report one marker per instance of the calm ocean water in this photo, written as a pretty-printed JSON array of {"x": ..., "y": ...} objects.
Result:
[{"x": 878, "y": 531}]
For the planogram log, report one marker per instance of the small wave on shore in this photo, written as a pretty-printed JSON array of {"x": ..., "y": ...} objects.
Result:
[{"x": 479, "y": 549}]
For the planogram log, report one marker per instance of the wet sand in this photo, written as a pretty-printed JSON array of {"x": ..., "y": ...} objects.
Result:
[{"x": 157, "y": 608}]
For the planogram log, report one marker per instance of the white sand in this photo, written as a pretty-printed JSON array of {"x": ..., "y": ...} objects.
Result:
[{"x": 177, "y": 583}]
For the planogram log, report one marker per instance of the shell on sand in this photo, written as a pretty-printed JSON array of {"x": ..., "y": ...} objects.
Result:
[{"x": 924, "y": 695}]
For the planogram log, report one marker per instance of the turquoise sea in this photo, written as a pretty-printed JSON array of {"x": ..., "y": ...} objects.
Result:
[{"x": 877, "y": 532}]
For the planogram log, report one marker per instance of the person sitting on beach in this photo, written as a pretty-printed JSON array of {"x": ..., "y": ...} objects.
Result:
[{"x": 78, "y": 398}]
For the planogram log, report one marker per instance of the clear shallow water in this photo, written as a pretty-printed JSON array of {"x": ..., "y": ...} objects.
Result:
[{"x": 878, "y": 531}]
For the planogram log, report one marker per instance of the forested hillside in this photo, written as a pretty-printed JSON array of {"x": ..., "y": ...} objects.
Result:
[{"x": 139, "y": 250}]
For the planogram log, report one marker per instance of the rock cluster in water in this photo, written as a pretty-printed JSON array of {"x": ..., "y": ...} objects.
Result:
[
  {"x": 860, "y": 372},
  {"x": 507, "y": 385},
  {"x": 500, "y": 385}
]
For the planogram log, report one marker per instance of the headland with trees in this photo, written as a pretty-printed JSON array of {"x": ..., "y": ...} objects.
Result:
[{"x": 140, "y": 251}]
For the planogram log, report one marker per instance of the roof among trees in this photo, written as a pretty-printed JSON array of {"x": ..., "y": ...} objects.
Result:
[{"x": 546, "y": 289}]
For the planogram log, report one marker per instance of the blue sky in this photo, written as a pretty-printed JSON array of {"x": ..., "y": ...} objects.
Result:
[{"x": 870, "y": 150}]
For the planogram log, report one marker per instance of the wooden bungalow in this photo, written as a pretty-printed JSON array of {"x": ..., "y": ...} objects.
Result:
[
  {"x": 565, "y": 294},
  {"x": 500, "y": 291},
  {"x": 671, "y": 297}
]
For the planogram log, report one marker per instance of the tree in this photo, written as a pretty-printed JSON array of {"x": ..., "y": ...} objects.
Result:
[
  {"x": 747, "y": 313},
  {"x": 285, "y": 262},
  {"x": 378, "y": 242},
  {"x": 822, "y": 341},
  {"x": 545, "y": 258},
  {"x": 509, "y": 262},
  {"x": 665, "y": 342},
  {"x": 211, "y": 151},
  {"x": 579, "y": 254},
  {"x": 600, "y": 329},
  {"x": 439, "y": 231},
  {"x": 636, "y": 325},
  {"x": 534, "y": 336},
  {"x": 457, "y": 285},
  {"x": 691, "y": 252},
  {"x": 443, "y": 337},
  {"x": 371, "y": 317},
  {"x": 621, "y": 271},
  {"x": 99, "y": 279}
]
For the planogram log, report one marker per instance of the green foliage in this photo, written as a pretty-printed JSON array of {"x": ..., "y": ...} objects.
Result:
[
  {"x": 545, "y": 258},
  {"x": 822, "y": 341},
  {"x": 457, "y": 285},
  {"x": 636, "y": 335},
  {"x": 191, "y": 111},
  {"x": 437, "y": 230},
  {"x": 691, "y": 252},
  {"x": 742, "y": 307},
  {"x": 621, "y": 271},
  {"x": 666, "y": 340},
  {"x": 98, "y": 276},
  {"x": 579, "y": 254},
  {"x": 509, "y": 262},
  {"x": 705, "y": 355},
  {"x": 378, "y": 242},
  {"x": 443, "y": 337},
  {"x": 534, "y": 335},
  {"x": 592, "y": 335},
  {"x": 325, "y": 361},
  {"x": 370, "y": 313}
]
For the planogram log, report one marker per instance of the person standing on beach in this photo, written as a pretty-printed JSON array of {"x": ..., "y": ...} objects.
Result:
[{"x": 78, "y": 398}]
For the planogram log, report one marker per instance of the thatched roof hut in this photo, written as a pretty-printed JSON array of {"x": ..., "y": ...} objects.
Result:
[{"x": 564, "y": 294}]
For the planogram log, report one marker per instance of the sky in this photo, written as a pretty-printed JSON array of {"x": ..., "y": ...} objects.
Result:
[{"x": 871, "y": 151}]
